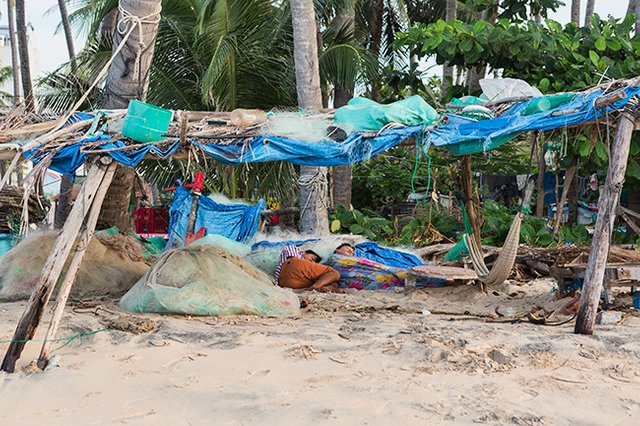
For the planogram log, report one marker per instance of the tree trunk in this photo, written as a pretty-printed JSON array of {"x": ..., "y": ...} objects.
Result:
[
  {"x": 128, "y": 79},
  {"x": 447, "y": 70},
  {"x": 376, "y": 42},
  {"x": 470, "y": 201},
  {"x": 342, "y": 176},
  {"x": 23, "y": 49},
  {"x": 66, "y": 183},
  {"x": 15, "y": 62},
  {"x": 607, "y": 205},
  {"x": 64, "y": 202},
  {"x": 313, "y": 180},
  {"x": 575, "y": 12},
  {"x": 637, "y": 9},
  {"x": 591, "y": 4},
  {"x": 632, "y": 6},
  {"x": 64, "y": 16}
]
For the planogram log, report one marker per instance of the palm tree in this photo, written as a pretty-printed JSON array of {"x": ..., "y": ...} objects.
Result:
[
  {"x": 15, "y": 62},
  {"x": 591, "y": 4},
  {"x": 66, "y": 183},
  {"x": 575, "y": 12},
  {"x": 23, "y": 49},
  {"x": 313, "y": 183},
  {"x": 128, "y": 78}
]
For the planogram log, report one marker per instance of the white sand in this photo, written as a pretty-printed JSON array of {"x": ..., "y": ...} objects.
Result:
[{"x": 347, "y": 361}]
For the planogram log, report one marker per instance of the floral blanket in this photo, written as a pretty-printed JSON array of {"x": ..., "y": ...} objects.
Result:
[{"x": 363, "y": 274}]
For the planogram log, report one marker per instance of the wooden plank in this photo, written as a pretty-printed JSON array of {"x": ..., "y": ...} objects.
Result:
[
  {"x": 594, "y": 275},
  {"x": 76, "y": 261},
  {"x": 39, "y": 299}
]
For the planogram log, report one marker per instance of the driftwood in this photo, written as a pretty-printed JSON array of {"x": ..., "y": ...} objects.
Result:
[
  {"x": 32, "y": 315},
  {"x": 594, "y": 275}
]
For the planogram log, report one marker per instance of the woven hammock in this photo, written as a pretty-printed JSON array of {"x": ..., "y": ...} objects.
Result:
[{"x": 506, "y": 259}]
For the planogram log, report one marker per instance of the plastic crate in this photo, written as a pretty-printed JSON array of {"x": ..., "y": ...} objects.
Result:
[{"x": 151, "y": 220}]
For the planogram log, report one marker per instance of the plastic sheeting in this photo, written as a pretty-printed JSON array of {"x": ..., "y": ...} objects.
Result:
[
  {"x": 206, "y": 280},
  {"x": 463, "y": 136},
  {"x": 364, "y": 114},
  {"x": 357, "y": 147},
  {"x": 237, "y": 222},
  {"x": 387, "y": 256}
]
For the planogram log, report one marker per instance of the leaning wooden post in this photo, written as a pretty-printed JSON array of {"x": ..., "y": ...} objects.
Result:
[
  {"x": 74, "y": 266},
  {"x": 39, "y": 299},
  {"x": 594, "y": 274}
]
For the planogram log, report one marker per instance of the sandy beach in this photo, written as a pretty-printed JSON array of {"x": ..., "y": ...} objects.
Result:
[{"x": 362, "y": 358}]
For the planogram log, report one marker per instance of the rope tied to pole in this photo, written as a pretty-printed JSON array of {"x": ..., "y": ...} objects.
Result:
[{"x": 127, "y": 23}]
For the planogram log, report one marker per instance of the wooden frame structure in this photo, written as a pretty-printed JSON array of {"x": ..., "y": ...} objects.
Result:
[{"x": 80, "y": 225}]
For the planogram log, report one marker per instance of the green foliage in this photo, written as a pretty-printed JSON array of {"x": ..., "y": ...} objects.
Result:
[
  {"x": 534, "y": 231},
  {"x": 386, "y": 179},
  {"x": 550, "y": 56},
  {"x": 356, "y": 222}
]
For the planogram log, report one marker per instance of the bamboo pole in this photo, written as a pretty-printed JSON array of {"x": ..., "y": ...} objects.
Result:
[
  {"x": 74, "y": 267},
  {"x": 594, "y": 274},
  {"x": 39, "y": 299}
]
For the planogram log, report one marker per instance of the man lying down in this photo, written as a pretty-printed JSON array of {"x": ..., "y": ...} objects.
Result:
[{"x": 297, "y": 269}]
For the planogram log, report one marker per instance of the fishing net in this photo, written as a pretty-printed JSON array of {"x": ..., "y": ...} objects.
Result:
[
  {"x": 224, "y": 243},
  {"x": 296, "y": 126},
  {"x": 206, "y": 280},
  {"x": 107, "y": 269}
]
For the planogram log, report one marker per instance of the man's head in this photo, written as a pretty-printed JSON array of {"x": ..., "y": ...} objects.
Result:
[
  {"x": 345, "y": 249},
  {"x": 311, "y": 256}
]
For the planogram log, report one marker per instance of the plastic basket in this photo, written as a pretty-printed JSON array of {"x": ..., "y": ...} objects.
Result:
[{"x": 145, "y": 122}]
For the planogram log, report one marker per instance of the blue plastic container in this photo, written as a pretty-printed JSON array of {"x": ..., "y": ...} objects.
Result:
[
  {"x": 636, "y": 302},
  {"x": 145, "y": 122}
]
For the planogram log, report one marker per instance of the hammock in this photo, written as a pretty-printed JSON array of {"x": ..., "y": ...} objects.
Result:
[
  {"x": 507, "y": 257},
  {"x": 502, "y": 268}
]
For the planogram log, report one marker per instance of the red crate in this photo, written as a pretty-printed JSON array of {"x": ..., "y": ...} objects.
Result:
[{"x": 151, "y": 220}]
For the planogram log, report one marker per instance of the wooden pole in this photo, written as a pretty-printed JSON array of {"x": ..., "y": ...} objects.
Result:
[
  {"x": 569, "y": 175},
  {"x": 469, "y": 199},
  {"x": 594, "y": 274},
  {"x": 32, "y": 315},
  {"x": 541, "y": 172},
  {"x": 74, "y": 267}
]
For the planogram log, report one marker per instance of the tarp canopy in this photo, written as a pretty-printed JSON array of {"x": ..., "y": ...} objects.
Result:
[{"x": 461, "y": 135}]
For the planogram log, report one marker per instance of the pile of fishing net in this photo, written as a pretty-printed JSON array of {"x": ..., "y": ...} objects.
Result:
[
  {"x": 205, "y": 279},
  {"x": 112, "y": 264}
]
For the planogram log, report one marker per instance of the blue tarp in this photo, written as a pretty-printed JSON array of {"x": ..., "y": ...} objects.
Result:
[
  {"x": 70, "y": 158},
  {"x": 357, "y": 147},
  {"x": 369, "y": 250},
  {"x": 457, "y": 133},
  {"x": 387, "y": 256},
  {"x": 237, "y": 222},
  {"x": 512, "y": 123}
]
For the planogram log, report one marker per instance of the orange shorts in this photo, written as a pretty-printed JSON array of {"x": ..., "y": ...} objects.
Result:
[{"x": 300, "y": 273}]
